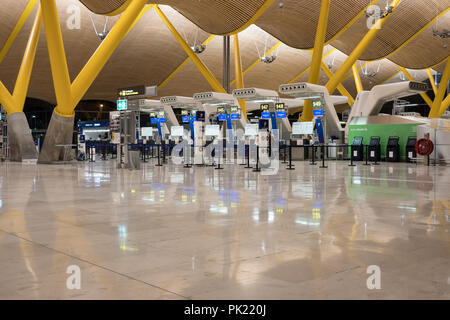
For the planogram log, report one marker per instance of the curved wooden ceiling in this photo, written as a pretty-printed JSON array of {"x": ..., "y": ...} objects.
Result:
[
  {"x": 294, "y": 23},
  {"x": 151, "y": 61}
]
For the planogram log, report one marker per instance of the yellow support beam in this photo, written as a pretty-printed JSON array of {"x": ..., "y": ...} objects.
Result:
[
  {"x": 14, "y": 103},
  {"x": 436, "y": 107},
  {"x": 358, "y": 83},
  {"x": 182, "y": 65},
  {"x": 444, "y": 106},
  {"x": 424, "y": 96},
  {"x": 12, "y": 37},
  {"x": 238, "y": 73},
  {"x": 58, "y": 61},
  {"x": 254, "y": 64},
  {"x": 69, "y": 95},
  {"x": 213, "y": 82},
  {"x": 340, "y": 86},
  {"x": 359, "y": 50},
  {"x": 98, "y": 60},
  {"x": 314, "y": 73},
  {"x": 24, "y": 76},
  {"x": 432, "y": 81}
]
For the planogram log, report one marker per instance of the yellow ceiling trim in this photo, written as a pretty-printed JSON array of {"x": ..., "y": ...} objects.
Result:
[
  {"x": 12, "y": 37},
  {"x": 253, "y": 19}
]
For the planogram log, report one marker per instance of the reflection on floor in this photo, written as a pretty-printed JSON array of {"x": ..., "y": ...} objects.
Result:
[{"x": 174, "y": 233}]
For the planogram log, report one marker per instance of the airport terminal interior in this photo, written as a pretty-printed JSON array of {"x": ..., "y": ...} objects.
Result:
[{"x": 217, "y": 150}]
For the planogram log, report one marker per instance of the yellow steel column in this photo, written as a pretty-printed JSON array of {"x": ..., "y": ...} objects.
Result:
[
  {"x": 216, "y": 86},
  {"x": 436, "y": 107},
  {"x": 444, "y": 106},
  {"x": 6, "y": 99},
  {"x": 23, "y": 78},
  {"x": 340, "y": 86},
  {"x": 12, "y": 37},
  {"x": 98, "y": 60},
  {"x": 238, "y": 73},
  {"x": 432, "y": 81},
  {"x": 58, "y": 61},
  {"x": 14, "y": 103},
  {"x": 358, "y": 51},
  {"x": 314, "y": 72},
  {"x": 358, "y": 83},
  {"x": 424, "y": 96}
]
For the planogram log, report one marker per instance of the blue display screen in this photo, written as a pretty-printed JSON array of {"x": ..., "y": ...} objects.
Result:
[
  {"x": 281, "y": 114},
  {"x": 318, "y": 113},
  {"x": 265, "y": 115},
  {"x": 235, "y": 116},
  {"x": 222, "y": 117},
  {"x": 162, "y": 120},
  {"x": 153, "y": 120},
  {"x": 185, "y": 119}
]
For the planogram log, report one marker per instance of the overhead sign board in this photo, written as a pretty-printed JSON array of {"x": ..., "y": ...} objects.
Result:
[
  {"x": 281, "y": 114},
  {"x": 221, "y": 110},
  {"x": 265, "y": 115},
  {"x": 265, "y": 107},
  {"x": 234, "y": 109},
  {"x": 138, "y": 92},
  {"x": 280, "y": 106}
]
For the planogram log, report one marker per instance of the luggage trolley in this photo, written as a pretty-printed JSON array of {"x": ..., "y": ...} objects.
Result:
[
  {"x": 357, "y": 149},
  {"x": 393, "y": 149},
  {"x": 411, "y": 153},
  {"x": 374, "y": 149}
]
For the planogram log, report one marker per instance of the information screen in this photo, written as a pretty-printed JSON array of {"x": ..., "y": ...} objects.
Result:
[
  {"x": 147, "y": 131},
  {"x": 302, "y": 128},
  {"x": 177, "y": 131},
  {"x": 212, "y": 130},
  {"x": 251, "y": 129}
]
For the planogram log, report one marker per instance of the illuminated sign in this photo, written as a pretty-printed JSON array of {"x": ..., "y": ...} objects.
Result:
[
  {"x": 265, "y": 115},
  {"x": 193, "y": 112},
  {"x": 161, "y": 114},
  {"x": 162, "y": 120},
  {"x": 281, "y": 114},
  {"x": 317, "y": 104},
  {"x": 318, "y": 113},
  {"x": 153, "y": 120},
  {"x": 234, "y": 109},
  {"x": 185, "y": 119},
  {"x": 152, "y": 115},
  {"x": 184, "y": 113},
  {"x": 131, "y": 91},
  {"x": 235, "y": 116},
  {"x": 264, "y": 107},
  {"x": 222, "y": 117},
  {"x": 220, "y": 110},
  {"x": 280, "y": 106},
  {"x": 122, "y": 105}
]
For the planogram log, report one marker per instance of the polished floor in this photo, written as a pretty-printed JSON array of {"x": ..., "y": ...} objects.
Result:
[{"x": 174, "y": 233}]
